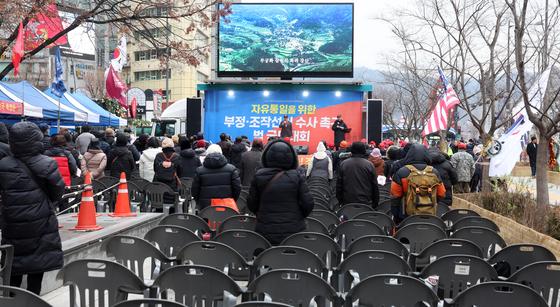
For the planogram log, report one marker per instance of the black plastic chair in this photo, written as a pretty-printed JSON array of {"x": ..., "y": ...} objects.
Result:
[
  {"x": 246, "y": 242},
  {"x": 423, "y": 218},
  {"x": 442, "y": 248},
  {"x": 293, "y": 287},
  {"x": 499, "y": 294},
  {"x": 391, "y": 290},
  {"x": 475, "y": 221},
  {"x": 170, "y": 239},
  {"x": 457, "y": 273},
  {"x": 485, "y": 238},
  {"x": 349, "y": 211},
  {"x": 289, "y": 257},
  {"x": 543, "y": 277},
  {"x": 108, "y": 180},
  {"x": 349, "y": 231},
  {"x": 155, "y": 192},
  {"x": 384, "y": 206},
  {"x": 104, "y": 281},
  {"x": 381, "y": 219},
  {"x": 379, "y": 243},
  {"x": 216, "y": 255},
  {"x": 442, "y": 209},
  {"x": 215, "y": 215},
  {"x": 455, "y": 215},
  {"x": 197, "y": 285},
  {"x": 192, "y": 222},
  {"x": 419, "y": 235},
  {"x": 518, "y": 256},
  {"x": 133, "y": 252},
  {"x": 329, "y": 219},
  {"x": 149, "y": 302},
  {"x": 238, "y": 222},
  {"x": 364, "y": 264},
  {"x": 314, "y": 225},
  {"x": 320, "y": 244},
  {"x": 137, "y": 196},
  {"x": 106, "y": 198},
  {"x": 17, "y": 297},
  {"x": 141, "y": 183},
  {"x": 261, "y": 304},
  {"x": 6, "y": 260}
]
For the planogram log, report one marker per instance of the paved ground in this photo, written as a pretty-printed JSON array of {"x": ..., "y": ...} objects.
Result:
[{"x": 530, "y": 184}]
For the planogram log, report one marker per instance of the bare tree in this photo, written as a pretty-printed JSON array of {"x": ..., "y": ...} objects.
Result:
[
  {"x": 464, "y": 38},
  {"x": 148, "y": 20},
  {"x": 536, "y": 39},
  {"x": 95, "y": 83}
]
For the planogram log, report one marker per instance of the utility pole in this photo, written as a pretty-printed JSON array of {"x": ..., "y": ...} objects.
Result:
[{"x": 168, "y": 52}]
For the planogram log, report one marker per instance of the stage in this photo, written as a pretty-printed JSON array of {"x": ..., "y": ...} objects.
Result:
[{"x": 81, "y": 245}]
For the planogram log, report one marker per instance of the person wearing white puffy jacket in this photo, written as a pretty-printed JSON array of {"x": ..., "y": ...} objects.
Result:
[{"x": 147, "y": 159}]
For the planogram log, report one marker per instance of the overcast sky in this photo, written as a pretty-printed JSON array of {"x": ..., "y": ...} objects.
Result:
[{"x": 372, "y": 38}]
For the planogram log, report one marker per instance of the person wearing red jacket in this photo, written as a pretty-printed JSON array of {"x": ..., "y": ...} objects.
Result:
[{"x": 67, "y": 165}]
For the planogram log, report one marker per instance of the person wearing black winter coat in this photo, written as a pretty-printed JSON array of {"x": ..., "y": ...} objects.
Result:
[
  {"x": 357, "y": 179},
  {"x": 251, "y": 161},
  {"x": 279, "y": 195},
  {"x": 446, "y": 172},
  {"x": 215, "y": 179},
  {"x": 237, "y": 150},
  {"x": 189, "y": 161},
  {"x": 30, "y": 185},
  {"x": 120, "y": 159},
  {"x": 167, "y": 165},
  {"x": 225, "y": 145}
]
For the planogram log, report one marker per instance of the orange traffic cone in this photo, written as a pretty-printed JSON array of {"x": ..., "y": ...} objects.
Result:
[
  {"x": 122, "y": 206},
  {"x": 86, "y": 215}
]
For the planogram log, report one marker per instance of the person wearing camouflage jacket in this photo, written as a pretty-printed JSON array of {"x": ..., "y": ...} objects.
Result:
[{"x": 463, "y": 163}]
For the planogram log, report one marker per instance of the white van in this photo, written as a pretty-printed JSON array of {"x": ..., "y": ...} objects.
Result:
[{"x": 172, "y": 121}]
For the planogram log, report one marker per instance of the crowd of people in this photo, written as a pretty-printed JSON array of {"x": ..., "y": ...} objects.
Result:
[{"x": 35, "y": 168}]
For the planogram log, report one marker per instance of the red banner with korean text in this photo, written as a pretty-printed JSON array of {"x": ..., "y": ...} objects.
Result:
[{"x": 11, "y": 107}]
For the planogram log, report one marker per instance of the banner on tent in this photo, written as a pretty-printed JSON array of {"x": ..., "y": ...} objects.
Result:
[
  {"x": 11, "y": 108},
  {"x": 258, "y": 114}
]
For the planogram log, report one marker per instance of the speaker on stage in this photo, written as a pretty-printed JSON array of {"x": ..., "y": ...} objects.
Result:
[
  {"x": 374, "y": 120},
  {"x": 194, "y": 116},
  {"x": 302, "y": 149}
]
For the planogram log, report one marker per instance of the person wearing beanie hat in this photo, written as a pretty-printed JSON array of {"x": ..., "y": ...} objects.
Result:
[
  {"x": 340, "y": 155},
  {"x": 4, "y": 141},
  {"x": 357, "y": 179},
  {"x": 146, "y": 165},
  {"x": 120, "y": 158},
  {"x": 215, "y": 179},
  {"x": 279, "y": 195},
  {"x": 377, "y": 161},
  {"x": 320, "y": 165},
  {"x": 463, "y": 162},
  {"x": 167, "y": 168},
  {"x": 189, "y": 161},
  {"x": 31, "y": 188},
  {"x": 94, "y": 160}
]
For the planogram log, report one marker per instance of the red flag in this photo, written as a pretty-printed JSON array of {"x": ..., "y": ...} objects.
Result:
[
  {"x": 132, "y": 108},
  {"x": 44, "y": 26},
  {"x": 115, "y": 87},
  {"x": 17, "y": 50}
]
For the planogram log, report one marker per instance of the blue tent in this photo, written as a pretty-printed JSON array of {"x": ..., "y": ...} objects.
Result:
[
  {"x": 91, "y": 105},
  {"x": 34, "y": 98},
  {"x": 93, "y": 118}
]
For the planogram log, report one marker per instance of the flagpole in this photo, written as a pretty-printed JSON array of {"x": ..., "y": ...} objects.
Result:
[{"x": 58, "y": 117}]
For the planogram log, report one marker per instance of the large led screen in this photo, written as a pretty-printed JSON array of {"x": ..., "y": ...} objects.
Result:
[{"x": 287, "y": 40}]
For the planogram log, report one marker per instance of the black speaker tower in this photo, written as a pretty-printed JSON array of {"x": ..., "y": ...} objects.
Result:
[
  {"x": 194, "y": 116},
  {"x": 374, "y": 120}
]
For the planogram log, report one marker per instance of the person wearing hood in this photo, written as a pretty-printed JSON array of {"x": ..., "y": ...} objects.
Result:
[
  {"x": 417, "y": 156},
  {"x": 83, "y": 140},
  {"x": 357, "y": 179},
  {"x": 189, "y": 161},
  {"x": 446, "y": 172},
  {"x": 200, "y": 150},
  {"x": 320, "y": 165},
  {"x": 279, "y": 195},
  {"x": 167, "y": 167},
  {"x": 141, "y": 143},
  {"x": 46, "y": 137},
  {"x": 31, "y": 186},
  {"x": 107, "y": 141},
  {"x": 463, "y": 163},
  {"x": 120, "y": 158},
  {"x": 146, "y": 165},
  {"x": 4, "y": 141},
  {"x": 66, "y": 163},
  {"x": 251, "y": 162},
  {"x": 215, "y": 179},
  {"x": 237, "y": 150},
  {"x": 94, "y": 160},
  {"x": 377, "y": 161}
]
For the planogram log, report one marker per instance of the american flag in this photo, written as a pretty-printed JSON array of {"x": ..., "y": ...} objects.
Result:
[{"x": 447, "y": 100}]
